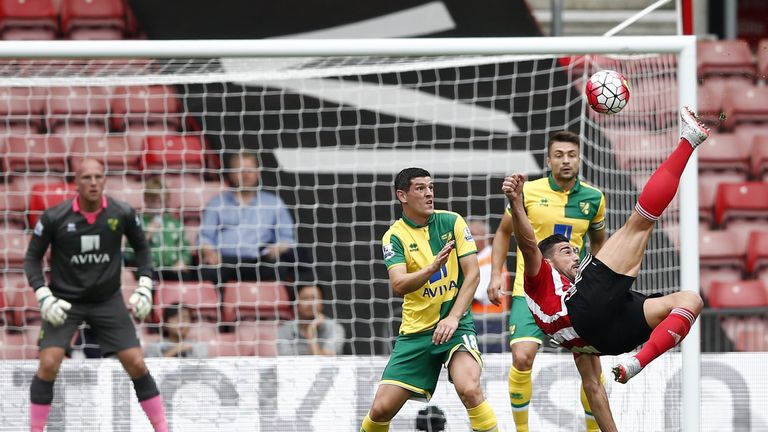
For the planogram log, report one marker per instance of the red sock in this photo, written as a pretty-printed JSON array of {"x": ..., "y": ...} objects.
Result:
[
  {"x": 38, "y": 416},
  {"x": 155, "y": 411},
  {"x": 666, "y": 335},
  {"x": 662, "y": 186}
]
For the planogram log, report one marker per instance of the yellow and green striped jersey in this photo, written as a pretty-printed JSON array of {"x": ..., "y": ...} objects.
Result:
[
  {"x": 552, "y": 210},
  {"x": 416, "y": 246}
]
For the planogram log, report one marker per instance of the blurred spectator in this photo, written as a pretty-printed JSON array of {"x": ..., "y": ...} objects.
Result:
[
  {"x": 312, "y": 333},
  {"x": 177, "y": 320},
  {"x": 165, "y": 234},
  {"x": 489, "y": 318},
  {"x": 247, "y": 233}
]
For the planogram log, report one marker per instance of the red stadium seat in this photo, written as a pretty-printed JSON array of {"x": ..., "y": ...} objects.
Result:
[
  {"x": 119, "y": 154},
  {"x": 724, "y": 57},
  {"x": 91, "y": 15},
  {"x": 259, "y": 338},
  {"x": 22, "y": 105},
  {"x": 68, "y": 105},
  {"x": 36, "y": 153},
  {"x": 24, "y": 305},
  {"x": 738, "y": 294},
  {"x": 189, "y": 194},
  {"x": 46, "y": 195},
  {"x": 708, "y": 276},
  {"x": 137, "y": 107},
  {"x": 724, "y": 152},
  {"x": 708, "y": 183},
  {"x": 35, "y": 17},
  {"x": 96, "y": 34},
  {"x": 226, "y": 345},
  {"x": 757, "y": 251},
  {"x": 201, "y": 297},
  {"x": 759, "y": 157},
  {"x": 13, "y": 246},
  {"x": 13, "y": 204},
  {"x": 739, "y": 201},
  {"x": 709, "y": 102},
  {"x": 762, "y": 59},
  {"x": 19, "y": 345},
  {"x": 633, "y": 151},
  {"x": 721, "y": 249},
  {"x": 745, "y": 105},
  {"x": 255, "y": 301},
  {"x": 126, "y": 189},
  {"x": 752, "y": 338},
  {"x": 173, "y": 152}
]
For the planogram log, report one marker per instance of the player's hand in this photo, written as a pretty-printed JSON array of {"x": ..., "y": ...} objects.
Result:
[
  {"x": 141, "y": 299},
  {"x": 495, "y": 291},
  {"x": 445, "y": 329},
  {"x": 52, "y": 309},
  {"x": 442, "y": 256},
  {"x": 513, "y": 186}
]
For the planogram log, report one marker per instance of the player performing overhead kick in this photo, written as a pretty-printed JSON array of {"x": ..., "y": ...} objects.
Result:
[{"x": 588, "y": 306}]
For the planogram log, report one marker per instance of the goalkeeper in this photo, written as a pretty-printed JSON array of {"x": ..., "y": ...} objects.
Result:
[{"x": 85, "y": 234}]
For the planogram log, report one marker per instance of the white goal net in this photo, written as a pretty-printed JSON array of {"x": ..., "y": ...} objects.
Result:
[{"x": 329, "y": 133}]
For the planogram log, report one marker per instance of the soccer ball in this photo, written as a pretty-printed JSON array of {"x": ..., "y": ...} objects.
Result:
[{"x": 607, "y": 92}]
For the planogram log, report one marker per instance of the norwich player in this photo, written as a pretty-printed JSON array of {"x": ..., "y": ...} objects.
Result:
[
  {"x": 431, "y": 260},
  {"x": 557, "y": 204}
]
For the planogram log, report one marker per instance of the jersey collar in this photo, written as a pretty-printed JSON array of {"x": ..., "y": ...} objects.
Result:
[
  {"x": 413, "y": 224},
  {"x": 553, "y": 185},
  {"x": 76, "y": 204}
]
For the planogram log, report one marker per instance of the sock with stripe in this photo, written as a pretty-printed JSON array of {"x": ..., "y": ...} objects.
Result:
[
  {"x": 520, "y": 390},
  {"x": 482, "y": 418},
  {"x": 589, "y": 417},
  {"x": 662, "y": 186},
  {"x": 666, "y": 335},
  {"x": 372, "y": 426}
]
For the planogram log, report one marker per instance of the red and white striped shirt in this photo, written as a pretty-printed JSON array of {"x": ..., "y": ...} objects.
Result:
[{"x": 546, "y": 294}]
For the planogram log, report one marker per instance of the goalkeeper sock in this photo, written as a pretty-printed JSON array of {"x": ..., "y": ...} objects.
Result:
[
  {"x": 40, "y": 397},
  {"x": 662, "y": 186},
  {"x": 589, "y": 417},
  {"x": 151, "y": 402},
  {"x": 482, "y": 418},
  {"x": 666, "y": 335},
  {"x": 372, "y": 426},
  {"x": 520, "y": 390}
]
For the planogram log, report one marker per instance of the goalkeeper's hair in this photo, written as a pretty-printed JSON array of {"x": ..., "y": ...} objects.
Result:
[
  {"x": 563, "y": 136},
  {"x": 547, "y": 245},
  {"x": 404, "y": 177}
]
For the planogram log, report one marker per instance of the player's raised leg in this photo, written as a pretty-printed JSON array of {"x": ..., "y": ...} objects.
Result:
[
  {"x": 465, "y": 374},
  {"x": 387, "y": 402},
  {"x": 145, "y": 387},
  {"x": 623, "y": 252}
]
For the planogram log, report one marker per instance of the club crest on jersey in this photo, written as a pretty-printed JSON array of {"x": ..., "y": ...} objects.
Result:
[
  {"x": 544, "y": 202},
  {"x": 113, "y": 223},
  {"x": 413, "y": 247},
  {"x": 584, "y": 206},
  {"x": 446, "y": 237},
  {"x": 389, "y": 251}
]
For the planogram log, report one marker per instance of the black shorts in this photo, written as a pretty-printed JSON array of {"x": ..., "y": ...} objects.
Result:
[
  {"x": 604, "y": 310},
  {"x": 110, "y": 323}
]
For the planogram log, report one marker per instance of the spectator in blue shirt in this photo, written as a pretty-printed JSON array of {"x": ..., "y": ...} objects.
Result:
[{"x": 247, "y": 233}]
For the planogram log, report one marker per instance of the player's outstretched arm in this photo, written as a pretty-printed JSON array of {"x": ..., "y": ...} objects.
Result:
[
  {"x": 590, "y": 371},
  {"x": 404, "y": 282},
  {"x": 498, "y": 258},
  {"x": 526, "y": 240}
]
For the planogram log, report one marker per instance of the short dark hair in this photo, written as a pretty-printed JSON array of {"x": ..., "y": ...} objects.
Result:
[
  {"x": 404, "y": 177},
  {"x": 546, "y": 245},
  {"x": 173, "y": 310},
  {"x": 563, "y": 136},
  {"x": 229, "y": 157}
]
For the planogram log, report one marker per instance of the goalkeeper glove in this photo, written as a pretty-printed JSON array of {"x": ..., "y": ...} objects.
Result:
[
  {"x": 53, "y": 309},
  {"x": 141, "y": 299}
]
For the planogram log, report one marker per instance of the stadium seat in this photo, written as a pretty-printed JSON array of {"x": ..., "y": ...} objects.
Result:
[
  {"x": 126, "y": 189},
  {"x": 708, "y": 183},
  {"x": 721, "y": 249},
  {"x": 66, "y": 106},
  {"x": 28, "y": 19},
  {"x": 13, "y": 204},
  {"x": 45, "y": 195},
  {"x": 724, "y": 57},
  {"x": 198, "y": 296},
  {"x": 651, "y": 100},
  {"x": 738, "y": 294},
  {"x": 748, "y": 131},
  {"x": 709, "y": 102},
  {"x": 641, "y": 150},
  {"x": 89, "y": 15},
  {"x": 708, "y": 276},
  {"x": 226, "y": 345},
  {"x": 22, "y": 105},
  {"x": 255, "y": 301},
  {"x": 759, "y": 157},
  {"x": 36, "y": 153},
  {"x": 174, "y": 153},
  {"x": 119, "y": 154},
  {"x": 745, "y": 105},
  {"x": 741, "y": 201},
  {"x": 190, "y": 194},
  {"x": 13, "y": 246},
  {"x": 725, "y": 152},
  {"x": 202, "y": 331},
  {"x": 752, "y": 337},
  {"x": 258, "y": 338},
  {"x": 24, "y": 306},
  {"x": 762, "y": 59},
  {"x": 757, "y": 251},
  {"x": 136, "y": 108},
  {"x": 21, "y": 345}
]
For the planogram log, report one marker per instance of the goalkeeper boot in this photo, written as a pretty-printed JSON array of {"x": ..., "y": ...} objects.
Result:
[
  {"x": 625, "y": 370},
  {"x": 691, "y": 128}
]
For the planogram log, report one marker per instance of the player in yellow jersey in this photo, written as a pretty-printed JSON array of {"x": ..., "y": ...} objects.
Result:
[
  {"x": 431, "y": 260},
  {"x": 557, "y": 204}
]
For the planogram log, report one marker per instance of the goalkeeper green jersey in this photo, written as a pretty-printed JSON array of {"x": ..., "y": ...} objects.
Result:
[{"x": 415, "y": 246}]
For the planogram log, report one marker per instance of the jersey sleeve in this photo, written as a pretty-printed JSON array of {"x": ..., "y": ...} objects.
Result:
[
  {"x": 465, "y": 243},
  {"x": 38, "y": 244},
  {"x": 393, "y": 250},
  {"x": 598, "y": 222},
  {"x": 138, "y": 241},
  {"x": 545, "y": 270}
]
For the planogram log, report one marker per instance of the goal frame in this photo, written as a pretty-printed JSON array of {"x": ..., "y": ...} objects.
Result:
[{"x": 683, "y": 46}]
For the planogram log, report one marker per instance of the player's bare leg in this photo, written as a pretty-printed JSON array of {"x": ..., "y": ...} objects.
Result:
[
  {"x": 591, "y": 371},
  {"x": 465, "y": 374},
  {"x": 388, "y": 401},
  {"x": 145, "y": 387},
  {"x": 41, "y": 389},
  {"x": 519, "y": 381}
]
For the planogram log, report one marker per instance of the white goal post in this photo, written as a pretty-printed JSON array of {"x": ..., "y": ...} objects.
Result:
[{"x": 683, "y": 47}]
